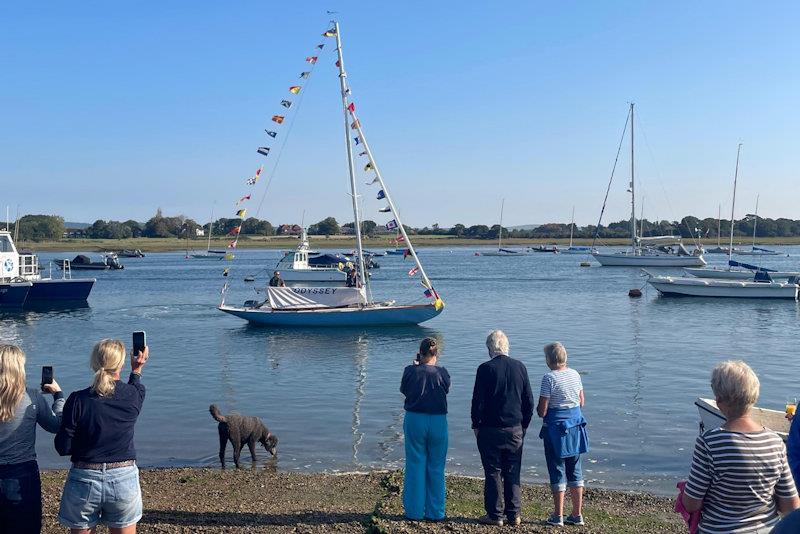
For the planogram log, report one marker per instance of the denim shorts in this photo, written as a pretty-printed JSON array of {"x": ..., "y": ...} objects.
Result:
[{"x": 108, "y": 496}]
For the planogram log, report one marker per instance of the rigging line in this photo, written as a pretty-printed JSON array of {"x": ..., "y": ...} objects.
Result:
[
  {"x": 608, "y": 189},
  {"x": 288, "y": 134},
  {"x": 660, "y": 179}
]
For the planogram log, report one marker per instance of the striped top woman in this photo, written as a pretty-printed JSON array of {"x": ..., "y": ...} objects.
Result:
[{"x": 740, "y": 477}]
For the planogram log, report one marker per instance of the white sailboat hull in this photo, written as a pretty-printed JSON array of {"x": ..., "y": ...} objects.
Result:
[
  {"x": 736, "y": 274},
  {"x": 374, "y": 315},
  {"x": 623, "y": 259},
  {"x": 503, "y": 254},
  {"x": 709, "y": 287}
]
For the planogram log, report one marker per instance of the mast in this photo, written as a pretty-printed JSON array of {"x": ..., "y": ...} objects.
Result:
[
  {"x": 210, "y": 224},
  {"x": 350, "y": 164},
  {"x": 733, "y": 203},
  {"x": 500, "y": 239},
  {"x": 571, "y": 226},
  {"x": 633, "y": 191},
  {"x": 641, "y": 220},
  {"x": 719, "y": 223},
  {"x": 755, "y": 223}
]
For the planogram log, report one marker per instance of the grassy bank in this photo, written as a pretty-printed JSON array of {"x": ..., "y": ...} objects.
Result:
[
  {"x": 336, "y": 242},
  {"x": 212, "y": 500}
]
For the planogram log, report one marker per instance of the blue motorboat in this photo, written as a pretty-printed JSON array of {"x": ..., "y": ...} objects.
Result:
[{"x": 22, "y": 283}]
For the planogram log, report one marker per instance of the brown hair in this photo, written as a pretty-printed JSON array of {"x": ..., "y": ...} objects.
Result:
[{"x": 429, "y": 348}]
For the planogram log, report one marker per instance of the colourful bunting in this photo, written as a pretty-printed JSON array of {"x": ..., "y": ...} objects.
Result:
[
  {"x": 391, "y": 225},
  {"x": 414, "y": 270},
  {"x": 321, "y": 46},
  {"x": 225, "y": 271},
  {"x": 229, "y": 256},
  {"x": 252, "y": 180},
  {"x": 406, "y": 253},
  {"x": 355, "y": 125},
  {"x": 375, "y": 179},
  {"x": 399, "y": 238},
  {"x": 380, "y": 196},
  {"x": 286, "y": 103},
  {"x": 368, "y": 167},
  {"x": 263, "y": 150},
  {"x": 295, "y": 89},
  {"x": 351, "y": 108},
  {"x": 246, "y": 197},
  {"x": 232, "y": 244},
  {"x": 387, "y": 209},
  {"x": 271, "y": 133},
  {"x": 235, "y": 231},
  {"x": 304, "y": 75},
  {"x": 338, "y": 63},
  {"x": 362, "y": 153},
  {"x": 278, "y": 119},
  {"x": 429, "y": 293},
  {"x": 240, "y": 213},
  {"x": 330, "y": 33},
  {"x": 357, "y": 140},
  {"x": 312, "y": 59}
]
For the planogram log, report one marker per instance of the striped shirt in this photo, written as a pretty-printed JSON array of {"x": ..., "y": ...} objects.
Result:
[
  {"x": 738, "y": 475},
  {"x": 563, "y": 388}
]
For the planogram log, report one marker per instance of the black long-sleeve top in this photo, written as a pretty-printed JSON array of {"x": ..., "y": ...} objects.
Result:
[
  {"x": 502, "y": 396},
  {"x": 98, "y": 429},
  {"x": 426, "y": 388}
]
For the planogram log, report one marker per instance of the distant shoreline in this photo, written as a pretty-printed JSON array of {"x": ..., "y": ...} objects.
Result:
[{"x": 345, "y": 243}]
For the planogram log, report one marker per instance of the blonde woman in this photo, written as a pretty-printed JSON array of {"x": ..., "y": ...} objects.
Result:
[
  {"x": 21, "y": 410},
  {"x": 97, "y": 432},
  {"x": 739, "y": 477}
]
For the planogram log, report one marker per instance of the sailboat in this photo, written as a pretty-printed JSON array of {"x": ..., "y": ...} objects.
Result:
[
  {"x": 575, "y": 249},
  {"x": 654, "y": 251},
  {"x": 719, "y": 249},
  {"x": 754, "y": 250},
  {"x": 760, "y": 284},
  {"x": 208, "y": 254},
  {"x": 344, "y": 306},
  {"x": 500, "y": 250}
]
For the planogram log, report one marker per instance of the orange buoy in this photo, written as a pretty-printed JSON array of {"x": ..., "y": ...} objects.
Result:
[{"x": 635, "y": 293}]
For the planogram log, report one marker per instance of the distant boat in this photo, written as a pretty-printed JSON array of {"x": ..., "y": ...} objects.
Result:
[
  {"x": 754, "y": 250},
  {"x": 719, "y": 249},
  {"x": 761, "y": 286},
  {"x": 500, "y": 250},
  {"x": 130, "y": 253},
  {"x": 552, "y": 249},
  {"x": 711, "y": 417},
  {"x": 646, "y": 252},
  {"x": 208, "y": 254},
  {"x": 571, "y": 249},
  {"x": 397, "y": 252},
  {"x": 296, "y": 266},
  {"x": 81, "y": 262}
]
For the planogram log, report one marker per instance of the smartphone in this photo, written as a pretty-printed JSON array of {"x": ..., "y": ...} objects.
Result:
[
  {"x": 47, "y": 374},
  {"x": 139, "y": 342}
]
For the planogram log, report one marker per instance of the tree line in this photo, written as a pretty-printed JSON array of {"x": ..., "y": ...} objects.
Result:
[{"x": 52, "y": 227}]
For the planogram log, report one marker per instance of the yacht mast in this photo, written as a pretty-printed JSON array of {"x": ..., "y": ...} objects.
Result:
[
  {"x": 210, "y": 225},
  {"x": 755, "y": 223},
  {"x": 733, "y": 203},
  {"x": 350, "y": 164},
  {"x": 719, "y": 223},
  {"x": 500, "y": 239},
  {"x": 571, "y": 226},
  {"x": 633, "y": 192}
]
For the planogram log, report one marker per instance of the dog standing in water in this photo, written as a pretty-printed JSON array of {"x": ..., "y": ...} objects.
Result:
[{"x": 241, "y": 430}]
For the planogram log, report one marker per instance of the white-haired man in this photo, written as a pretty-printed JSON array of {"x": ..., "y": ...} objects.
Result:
[{"x": 502, "y": 408}]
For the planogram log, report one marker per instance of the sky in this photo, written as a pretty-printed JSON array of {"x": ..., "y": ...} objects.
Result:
[{"x": 110, "y": 110}]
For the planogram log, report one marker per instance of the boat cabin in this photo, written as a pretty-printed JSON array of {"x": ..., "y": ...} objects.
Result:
[{"x": 13, "y": 264}]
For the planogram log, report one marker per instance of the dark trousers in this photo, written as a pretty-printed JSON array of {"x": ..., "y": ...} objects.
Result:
[
  {"x": 501, "y": 455},
  {"x": 20, "y": 498}
]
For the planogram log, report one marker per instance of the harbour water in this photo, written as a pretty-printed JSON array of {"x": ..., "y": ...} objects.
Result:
[{"x": 332, "y": 395}]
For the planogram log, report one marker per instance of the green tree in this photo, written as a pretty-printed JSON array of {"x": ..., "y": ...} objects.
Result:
[
  {"x": 368, "y": 228},
  {"x": 327, "y": 226},
  {"x": 41, "y": 227}
]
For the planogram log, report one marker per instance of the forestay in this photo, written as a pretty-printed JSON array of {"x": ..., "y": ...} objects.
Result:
[{"x": 298, "y": 298}]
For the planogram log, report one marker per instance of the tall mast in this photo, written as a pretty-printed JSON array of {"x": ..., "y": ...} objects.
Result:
[
  {"x": 719, "y": 223},
  {"x": 210, "y": 225},
  {"x": 641, "y": 220},
  {"x": 350, "y": 164},
  {"x": 571, "y": 226},
  {"x": 633, "y": 191},
  {"x": 733, "y": 203},
  {"x": 755, "y": 223},
  {"x": 500, "y": 240}
]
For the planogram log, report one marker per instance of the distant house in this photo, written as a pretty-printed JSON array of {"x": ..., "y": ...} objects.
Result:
[
  {"x": 199, "y": 232},
  {"x": 73, "y": 233},
  {"x": 289, "y": 229}
]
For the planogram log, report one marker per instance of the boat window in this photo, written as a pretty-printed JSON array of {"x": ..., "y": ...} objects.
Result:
[{"x": 5, "y": 244}]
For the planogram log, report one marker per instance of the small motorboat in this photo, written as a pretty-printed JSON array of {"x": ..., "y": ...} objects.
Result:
[
  {"x": 396, "y": 252},
  {"x": 553, "y": 249},
  {"x": 711, "y": 417},
  {"x": 130, "y": 253},
  {"x": 82, "y": 262},
  {"x": 760, "y": 287}
]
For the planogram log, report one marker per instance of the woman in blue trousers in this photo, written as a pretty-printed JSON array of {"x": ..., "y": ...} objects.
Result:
[{"x": 425, "y": 386}]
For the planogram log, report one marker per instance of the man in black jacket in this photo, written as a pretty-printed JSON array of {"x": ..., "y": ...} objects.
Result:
[{"x": 502, "y": 408}]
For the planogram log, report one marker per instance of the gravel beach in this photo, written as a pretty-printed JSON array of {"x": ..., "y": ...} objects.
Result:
[{"x": 263, "y": 500}]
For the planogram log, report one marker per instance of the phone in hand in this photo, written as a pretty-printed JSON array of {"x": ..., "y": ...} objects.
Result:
[
  {"x": 47, "y": 375},
  {"x": 139, "y": 342}
]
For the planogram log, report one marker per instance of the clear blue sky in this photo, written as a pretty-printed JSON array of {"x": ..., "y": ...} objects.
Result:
[{"x": 112, "y": 109}]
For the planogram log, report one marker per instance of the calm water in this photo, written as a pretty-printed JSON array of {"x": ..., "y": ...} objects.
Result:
[{"x": 332, "y": 395}]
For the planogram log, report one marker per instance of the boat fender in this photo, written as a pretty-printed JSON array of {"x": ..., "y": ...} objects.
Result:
[
  {"x": 585, "y": 264},
  {"x": 635, "y": 293}
]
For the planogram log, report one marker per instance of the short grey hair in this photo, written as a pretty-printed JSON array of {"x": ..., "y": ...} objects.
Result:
[
  {"x": 734, "y": 383},
  {"x": 555, "y": 354},
  {"x": 497, "y": 343}
]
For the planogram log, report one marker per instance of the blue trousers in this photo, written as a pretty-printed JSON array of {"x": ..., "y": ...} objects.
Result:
[{"x": 426, "y": 453}]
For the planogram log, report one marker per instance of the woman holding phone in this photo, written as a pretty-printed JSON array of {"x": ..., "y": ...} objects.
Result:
[
  {"x": 97, "y": 432},
  {"x": 21, "y": 409}
]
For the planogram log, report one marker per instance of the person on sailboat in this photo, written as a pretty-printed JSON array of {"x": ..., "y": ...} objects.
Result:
[
  {"x": 352, "y": 278},
  {"x": 502, "y": 409},
  {"x": 563, "y": 431},
  {"x": 276, "y": 280},
  {"x": 425, "y": 386}
]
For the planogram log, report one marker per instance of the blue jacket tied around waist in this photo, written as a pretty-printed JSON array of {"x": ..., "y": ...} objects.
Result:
[{"x": 566, "y": 431}]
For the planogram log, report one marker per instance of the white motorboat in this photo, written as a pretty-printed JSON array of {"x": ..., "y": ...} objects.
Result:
[
  {"x": 294, "y": 267},
  {"x": 744, "y": 272},
  {"x": 690, "y": 286},
  {"x": 350, "y": 306},
  {"x": 655, "y": 251},
  {"x": 711, "y": 417}
]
